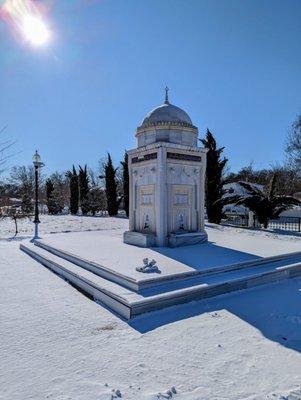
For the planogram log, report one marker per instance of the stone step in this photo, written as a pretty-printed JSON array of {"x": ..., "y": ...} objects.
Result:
[
  {"x": 128, "y": 303},
  {"x": 109, "y": 293},
  {"x": 215, "y": 285},
  {"x": 91, "y": 266},
  {"x": 149, "y": 282}
]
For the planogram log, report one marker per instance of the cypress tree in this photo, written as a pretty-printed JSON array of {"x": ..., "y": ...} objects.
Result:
[
  {"x": 214, "y": 178},
  {"x": 26, "y": 204},
  {"x": 83, "y": 180},
  {"x": 49, "y": 196},
  {"x": 125, "y": 182},
  {"x": 53, "y": 197},
  {"x": 111, "y": 187},
  {"x": 74, "y": 191}
]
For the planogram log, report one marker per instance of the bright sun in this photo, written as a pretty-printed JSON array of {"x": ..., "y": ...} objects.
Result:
[{"x": 35, "y": 30}]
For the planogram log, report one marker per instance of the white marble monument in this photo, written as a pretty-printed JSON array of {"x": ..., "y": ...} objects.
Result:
[{"x": 167, "y": 177}]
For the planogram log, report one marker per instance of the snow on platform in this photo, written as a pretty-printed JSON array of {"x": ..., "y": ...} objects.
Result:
[
  {"x": 101, "y": 265},
  {"x": 130, "y": 303},
  {"x": 107, "y": 250}
]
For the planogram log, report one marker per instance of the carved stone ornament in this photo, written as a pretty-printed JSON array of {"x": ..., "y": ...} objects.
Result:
[{"x": 149, "y": 266}]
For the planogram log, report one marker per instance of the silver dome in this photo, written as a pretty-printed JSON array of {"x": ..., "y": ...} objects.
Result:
[{"x": 166, "y": 113}]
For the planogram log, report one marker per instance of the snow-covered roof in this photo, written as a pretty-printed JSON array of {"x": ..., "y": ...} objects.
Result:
[
  {"x": 234, "y": 188},
  {"x": 15, "y": 200}
]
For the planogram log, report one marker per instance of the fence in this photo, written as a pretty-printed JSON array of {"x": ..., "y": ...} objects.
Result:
[
  {"x": 236, "y": 220},
  {"x": 286, "y": 223},
  {"x": 283, "y": 223}
]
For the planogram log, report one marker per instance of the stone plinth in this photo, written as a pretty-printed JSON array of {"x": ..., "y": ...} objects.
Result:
[
  {"x": 186, "y": 239},
  {"x": 139, "y": 239}
]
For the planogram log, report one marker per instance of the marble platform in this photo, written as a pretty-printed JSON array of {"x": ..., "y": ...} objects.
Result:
[
  {"x": 129, "y": 303},
  {"x": 102, "y": 266}
]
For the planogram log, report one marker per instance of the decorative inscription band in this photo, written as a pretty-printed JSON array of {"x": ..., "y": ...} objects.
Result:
[
  {"x": 146, "y": 157},
  {"x": 186, "y": 157},
  {"x": 175, "y": 156}
]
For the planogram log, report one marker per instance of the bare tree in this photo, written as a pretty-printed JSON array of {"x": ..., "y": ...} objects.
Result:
[
  {"x": 94, "y": 177},
  {"x": 5, "y": 154},
  {"x": 61, "y": 188},
  {"x": 288, "y": 178},
  {"x": 293, "y": 145},
  {"x": 23, "y": 178},
  {"x": 15, "y": 215}
]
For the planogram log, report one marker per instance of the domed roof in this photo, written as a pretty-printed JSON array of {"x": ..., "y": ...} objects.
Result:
[{"x": 166, "y": 113}]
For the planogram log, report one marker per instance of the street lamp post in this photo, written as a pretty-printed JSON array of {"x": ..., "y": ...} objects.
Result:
[{"x": 37, "y": 165}]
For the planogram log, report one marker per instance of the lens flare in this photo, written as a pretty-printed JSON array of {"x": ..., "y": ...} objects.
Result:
[
  {"x": 26, "y": 18},
  {"x": 35, "y": 31}
]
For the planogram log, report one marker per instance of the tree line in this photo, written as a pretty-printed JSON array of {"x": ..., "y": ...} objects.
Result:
[
  {"x": 77, "y": 191},
  {"x": 81, "y": 190}
]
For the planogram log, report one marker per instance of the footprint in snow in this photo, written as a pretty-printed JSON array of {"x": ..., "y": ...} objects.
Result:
[
  {"x": 168, "y": 394},
  {"x": 116, "y": 394},
  {"x": 293, "y": 395},
  {"x": 215, "y": 315}
]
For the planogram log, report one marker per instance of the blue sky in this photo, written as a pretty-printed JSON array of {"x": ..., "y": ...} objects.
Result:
[{"x": 234, "y": 66}]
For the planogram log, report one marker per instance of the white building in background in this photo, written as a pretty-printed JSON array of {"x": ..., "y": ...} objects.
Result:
[
  {"x": 167, "y": 178},
  {"x": 235, "y": 189},
  {"x": 298, "y": 195},
  {"x": 294, "y": 212}
]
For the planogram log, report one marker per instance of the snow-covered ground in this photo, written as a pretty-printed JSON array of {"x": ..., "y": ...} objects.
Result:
[
  {"x": 60, "y": 223},
  {"x": 57, "y": 344}
]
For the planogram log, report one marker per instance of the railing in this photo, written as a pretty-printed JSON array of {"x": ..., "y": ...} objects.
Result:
[
  {"x": 286, "y": 223},
  {"x": 292, "y": 224},
  {"x": 236, "y": 220}
]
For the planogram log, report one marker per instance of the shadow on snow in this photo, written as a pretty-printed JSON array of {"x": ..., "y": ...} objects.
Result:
[
  {"x": 273, "y": 309},
  {"x": 206, "y": 255}
]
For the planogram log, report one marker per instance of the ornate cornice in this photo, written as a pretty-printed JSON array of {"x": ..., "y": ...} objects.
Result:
[{"x": 164, "y": 124}]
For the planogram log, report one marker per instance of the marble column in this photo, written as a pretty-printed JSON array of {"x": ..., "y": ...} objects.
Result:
[{"x": 161, "y": 198}]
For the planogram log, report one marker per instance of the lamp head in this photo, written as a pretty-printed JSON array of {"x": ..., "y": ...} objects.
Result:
[{"x": 37, "y": 160}]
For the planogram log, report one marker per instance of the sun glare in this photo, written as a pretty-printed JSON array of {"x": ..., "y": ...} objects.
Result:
[
  {"x": 35, "y": 31},
  {"x": 28, "y": 18}
]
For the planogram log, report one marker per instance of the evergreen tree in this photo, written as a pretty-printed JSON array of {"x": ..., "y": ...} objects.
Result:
[
  {"x": 53, "y": 198},
  {"x": 49, "y": 196},
  {"x": 125, "y": 182},
  {"x": 111, "y": 187},
  {"x": 26, "y": 204},
  {"x": 83, "y": 180},
  {"x": 61, "y": 188},
  {"x": 74, "y": 190},
  {"x": 214, "y": 178},
  {"x": 96, "y": 200}
]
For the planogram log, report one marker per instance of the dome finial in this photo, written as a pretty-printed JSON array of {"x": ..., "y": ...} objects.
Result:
[{"x": 166, "y": 95}]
